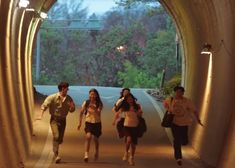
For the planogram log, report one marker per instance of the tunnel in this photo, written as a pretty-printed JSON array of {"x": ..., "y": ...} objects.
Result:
[{"x": 207, "y": 77}]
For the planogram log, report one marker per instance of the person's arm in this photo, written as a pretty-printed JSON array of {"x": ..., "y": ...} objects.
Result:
[
  {"x": 44, "y": 107},
  {"x": 99, "y": 110},
  {"x": 140, "y": 111},
  {"x": 113, "y": 109},
  {"x": 81, "y": 112},
  {"x": 116, "y": 116},
  {"x": 71, "y": 106},
  {"x": 118, "y": 105},
  {"x": 195, "y": 112},
  {"x": 40, "y": 115},
  {"x": 166, "y": 104}
]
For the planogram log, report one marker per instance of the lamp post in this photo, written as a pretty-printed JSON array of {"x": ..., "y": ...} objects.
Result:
[
  {"x": 163, "y": 78},
  {"x": 38, "y": 57},
  {"x": 177, "y": 46}
]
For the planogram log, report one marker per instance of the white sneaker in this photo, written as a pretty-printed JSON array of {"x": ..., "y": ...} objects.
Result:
[
  {"x": 125, "y": 156},
  {"x": 131, "y": 161},
  {"x": 57, "y": 159},
  {"x": 86, "y": 157}
]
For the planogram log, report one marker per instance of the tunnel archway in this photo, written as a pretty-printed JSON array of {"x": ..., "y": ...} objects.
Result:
[{"x": 214, "y": 24}]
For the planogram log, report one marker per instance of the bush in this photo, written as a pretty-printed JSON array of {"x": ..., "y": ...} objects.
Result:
[
  {"x": 134, "y": 77},
  {"x": 168, "y": 87}
]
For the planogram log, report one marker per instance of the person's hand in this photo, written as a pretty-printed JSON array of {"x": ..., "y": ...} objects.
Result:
[
  {"x": 98, "y": 112},
  {"x": 79, "y": 126},
  {"x": 71, "y": 105},
  {"x": 38, "y": 118},
  {"x": 199, "y": 122},
  {"x": 114, "y": 123}
]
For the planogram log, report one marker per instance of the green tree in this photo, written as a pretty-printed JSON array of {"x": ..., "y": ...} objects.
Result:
[
  {"x": 60, "y": 47},
  {"x": 159, "y": 53},
  {"x": 84, "y": 57},
  {"x": 135, "y": 77}
]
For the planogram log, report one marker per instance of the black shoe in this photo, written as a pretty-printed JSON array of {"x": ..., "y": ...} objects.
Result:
[
  {"x": 179, "y": 162},
  {"x": 86, "y": 159},
  {"x": 57, "y": 159}
]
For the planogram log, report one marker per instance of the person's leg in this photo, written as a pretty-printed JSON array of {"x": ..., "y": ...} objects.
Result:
[
  {"x": 127, "y": 147},
  {"x": 131, "y": 158},
  {"x": 134, "y": 141},
  {"x": 133, "y": 148},
  {"x": 96, "y": 131},
  {"x": 184, "y": 135},
  {"x": 96, "y": 141},
  {"x": 62, "y": 125},
  {"x": 87, "y": 146},
  {"x": 176, "y": 141},
  {"x": 55, "y": 133}
]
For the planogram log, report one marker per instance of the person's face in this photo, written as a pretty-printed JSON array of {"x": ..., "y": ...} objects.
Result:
[
  {"x": 92, "y": 95},
  {"x": 130, "y": 100},
  {"x": 179, "y": 93},
  {"x": 126, "y": 93},
  {"x": 64, "y": 91}
]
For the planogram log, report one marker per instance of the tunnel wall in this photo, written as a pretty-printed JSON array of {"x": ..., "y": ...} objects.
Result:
[
  {"x": 16, "y": 103},
  {"x": 17, "y": 33},
  {"x": 199, "y": 22}
]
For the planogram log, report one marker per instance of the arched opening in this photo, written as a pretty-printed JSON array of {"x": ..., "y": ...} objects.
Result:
[
  {"x": 195, "y": 28},
  {"x": 174, "y": 46},
  {"x": 120, "y": 50},
  {"x": 145, "y": 33}
]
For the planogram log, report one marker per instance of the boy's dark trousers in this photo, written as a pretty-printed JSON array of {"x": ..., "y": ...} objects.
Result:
[{"x": 180, "y": 135}]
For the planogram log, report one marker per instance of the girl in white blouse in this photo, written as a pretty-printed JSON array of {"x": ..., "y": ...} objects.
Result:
[
  {"x": 91, "y": 108},
  {"x": 131, "y": 111}
]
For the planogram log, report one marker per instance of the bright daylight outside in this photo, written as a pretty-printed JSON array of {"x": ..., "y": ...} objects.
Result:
[{"x": 108, "y": 43}]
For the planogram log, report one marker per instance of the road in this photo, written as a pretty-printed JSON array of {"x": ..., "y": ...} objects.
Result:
[{"x": 154, "y": 148}]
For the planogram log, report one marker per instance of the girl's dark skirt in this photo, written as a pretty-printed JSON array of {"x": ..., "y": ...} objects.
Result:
[
  {"x": 132, "y": 132},
  {"x": 93, "y": 128}
]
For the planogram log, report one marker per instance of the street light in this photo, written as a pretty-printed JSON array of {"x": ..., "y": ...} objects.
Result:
[
  {"x": 121, "y": 48},
  {"x": 43, "y": 15},
  {"x": 206, "y": 49},
  {"x": 163, "y": 78},
  {"x": 23, "y": 3},
  {"x": 177, "y": 51}
]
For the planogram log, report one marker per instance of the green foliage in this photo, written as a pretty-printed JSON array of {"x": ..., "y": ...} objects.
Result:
[
  {"x": 129, "y": 3},
  {"x": 84, "y": 57},
  {"x": 45, "y": 80},
  {"x": 169, "y": 85},
  {"x": 134, "y": 77},
  {"x": 160, "y": 52}
]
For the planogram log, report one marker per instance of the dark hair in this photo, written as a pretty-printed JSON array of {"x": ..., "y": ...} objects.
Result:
[
  {"x": 179, "y": 88},
  {"x": 125, "y": 105},
  {"x": 98, "y": 100},
  {"x": 63, "y": 85},
  {"x": 121, "y": 93}
]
